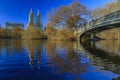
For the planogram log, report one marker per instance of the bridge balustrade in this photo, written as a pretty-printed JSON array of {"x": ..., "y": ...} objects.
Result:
[
  {"x": 105, "y": 20},
  {"x": 118, "y": 15}
]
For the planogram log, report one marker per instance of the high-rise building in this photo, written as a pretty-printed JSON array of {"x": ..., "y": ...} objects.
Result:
[
  {"x": 11, "y": 25},
  {"x": 34, "y": 30},
  {"x": 31, "y": 18},
  {"x": 38, "y": 24}
]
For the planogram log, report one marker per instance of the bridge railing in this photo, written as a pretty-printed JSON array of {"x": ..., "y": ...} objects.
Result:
[
  {"x": 107, "y": 19},
  {"x": 110, "y": 17}
]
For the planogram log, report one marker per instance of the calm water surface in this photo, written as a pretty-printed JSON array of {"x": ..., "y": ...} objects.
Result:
[{"x": 47, "y": 60}]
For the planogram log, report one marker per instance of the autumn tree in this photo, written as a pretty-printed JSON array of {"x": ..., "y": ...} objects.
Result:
[
  {"x": 16, "y": 32},
  {"x": 7, "y": 33},
  {"x": 67, "y": 19},
  {"x": 69, "y": 16},
  {"x": 106, "y": 9},
  {"x": 50, "y": 30},
  {"x": 2, "y": 33}
]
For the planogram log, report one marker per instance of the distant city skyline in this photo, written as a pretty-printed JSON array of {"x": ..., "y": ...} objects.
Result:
[{"x": 18, "y": 10}]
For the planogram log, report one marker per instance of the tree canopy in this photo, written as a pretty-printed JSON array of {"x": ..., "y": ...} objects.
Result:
[
  {"x": 69, "y": 16},
  {"x": 106, "y": 9}
]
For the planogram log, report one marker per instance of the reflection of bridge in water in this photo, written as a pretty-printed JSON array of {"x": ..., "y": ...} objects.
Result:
[
  {"x": 101, "y": 24},
  {"x": 99, "y": 57}
]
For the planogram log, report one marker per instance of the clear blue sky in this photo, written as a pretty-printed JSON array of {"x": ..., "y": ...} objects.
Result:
[{"x": 18, "y": 10}]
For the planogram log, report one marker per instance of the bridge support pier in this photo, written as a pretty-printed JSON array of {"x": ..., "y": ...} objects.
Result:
[
  {"x": 92, "y": 36},
  {"x": 78, "y": 38},
  {"x": 92, "y": 44},
  {"x": 88, "y": 37}
]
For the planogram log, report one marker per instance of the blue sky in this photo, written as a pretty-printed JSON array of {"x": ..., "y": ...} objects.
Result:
[{"x": 18, "y": 10}]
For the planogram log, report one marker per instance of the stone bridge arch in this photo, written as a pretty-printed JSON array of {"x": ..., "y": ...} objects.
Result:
[{"x": 109, "y": 21}]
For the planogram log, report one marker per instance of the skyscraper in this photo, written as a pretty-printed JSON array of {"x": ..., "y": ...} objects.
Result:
[
  {"x": 31, "y": 18},
  {"x": 38, "y": 24},
  {"x": 31, "y": 25},
  {"x": 34, "y": 30}
]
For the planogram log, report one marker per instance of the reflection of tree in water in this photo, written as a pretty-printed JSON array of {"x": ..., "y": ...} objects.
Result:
[
  {"x": 34, "y": 48},
  {"x": 62, "y": 54},
  {"x": 11, "y": 46},
  {"x": 1, "y": 44},
  {"x": 111, "y": 46},
  {"x": 17, "y": 45}
]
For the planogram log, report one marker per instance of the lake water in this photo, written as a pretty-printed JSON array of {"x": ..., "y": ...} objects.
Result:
[{"x": 59, "y": 60}]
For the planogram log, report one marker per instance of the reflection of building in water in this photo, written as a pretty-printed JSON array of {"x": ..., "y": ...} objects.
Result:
[
  {"x": 31, "y": 57},
  {"x": 39, "y": 52},
  {"x": 10, "y": 25},
  {"x": 34, "y": 48}
]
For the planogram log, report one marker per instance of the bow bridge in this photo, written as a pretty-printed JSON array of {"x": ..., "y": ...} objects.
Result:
[{"x": 106, "y": 22}]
